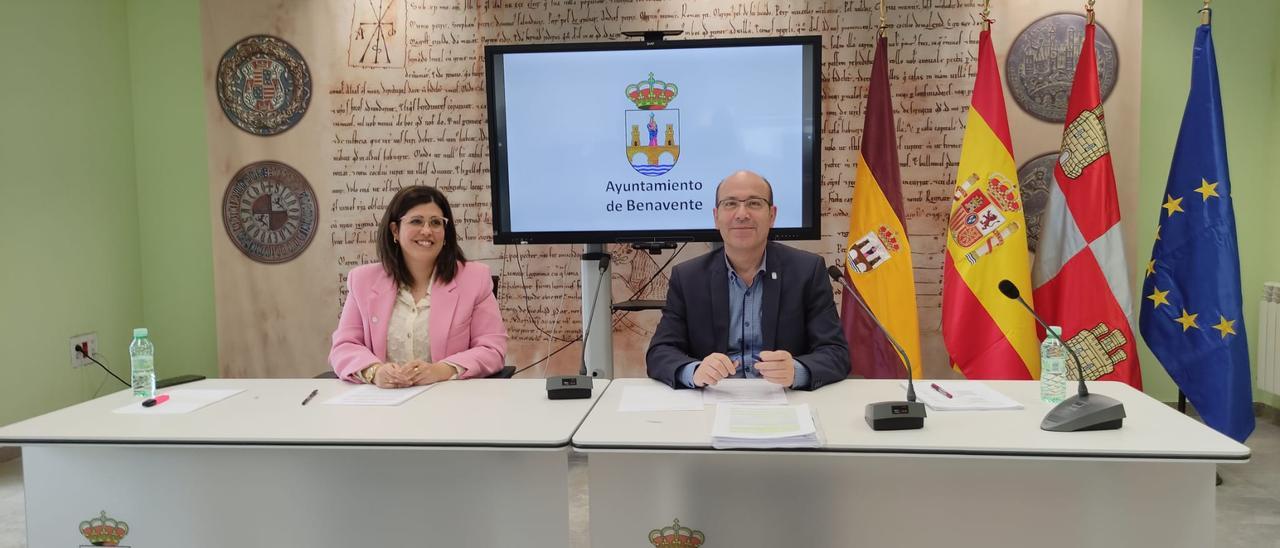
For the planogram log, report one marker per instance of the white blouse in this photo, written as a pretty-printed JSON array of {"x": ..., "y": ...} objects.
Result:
[{"x": 407, "y": 333}]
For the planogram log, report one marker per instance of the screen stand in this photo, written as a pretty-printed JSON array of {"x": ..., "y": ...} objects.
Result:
[{"x": 599, "y": 352}]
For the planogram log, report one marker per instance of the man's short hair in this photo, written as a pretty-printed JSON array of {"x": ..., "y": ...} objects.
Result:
[{"x": 767, "y": 184}]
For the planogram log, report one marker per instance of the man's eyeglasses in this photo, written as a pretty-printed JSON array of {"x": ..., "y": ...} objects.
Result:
[
  {"x": 436, "y": 223},
  {"x": 753, "y": 204}
]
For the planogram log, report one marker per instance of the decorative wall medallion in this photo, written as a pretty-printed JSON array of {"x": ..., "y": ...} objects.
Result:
[
  {"x": 1042, "y": 64},
  {"x": 1033, "y": 179},
  {"x": 263, "y": 85},
  {"x": 270, "y": 212}
]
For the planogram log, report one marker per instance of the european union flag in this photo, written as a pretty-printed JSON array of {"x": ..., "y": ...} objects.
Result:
[{"x": 1191, "y": 315}]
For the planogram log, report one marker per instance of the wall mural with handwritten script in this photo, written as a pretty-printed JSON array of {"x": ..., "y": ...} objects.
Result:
[{"x": 397, "y": 98}]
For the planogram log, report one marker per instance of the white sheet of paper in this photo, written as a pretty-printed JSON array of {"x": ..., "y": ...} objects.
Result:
[
  {"x": 965, "y": 396},
  {"x": 183, "y": 400},
  {"x": 368, "y": 394},
  {"x": 744, "y": 392},
  {"x": 657, "y": 397}
]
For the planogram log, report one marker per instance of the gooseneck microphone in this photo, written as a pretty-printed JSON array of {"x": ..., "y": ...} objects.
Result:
[
  {"x": 886, "y": 415},
  {"x": 1081, "y": 412},
  {"x": 1011, "y": 291}
]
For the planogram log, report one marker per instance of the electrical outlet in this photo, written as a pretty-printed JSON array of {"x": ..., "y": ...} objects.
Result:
[{"x": 87, "y": 342}]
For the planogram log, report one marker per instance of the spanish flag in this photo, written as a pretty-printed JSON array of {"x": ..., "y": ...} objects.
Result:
[
  {"x": 878, "y": 256},
  {"x": 988, "y": 336}
]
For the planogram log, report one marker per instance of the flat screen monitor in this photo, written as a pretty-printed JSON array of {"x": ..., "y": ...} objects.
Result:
[{"x": 626, "y": 141}]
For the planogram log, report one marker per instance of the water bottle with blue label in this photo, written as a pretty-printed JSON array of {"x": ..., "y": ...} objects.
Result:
[
  {"x": 142, "y": 364},
  {"x": 1053, "y": 368}
]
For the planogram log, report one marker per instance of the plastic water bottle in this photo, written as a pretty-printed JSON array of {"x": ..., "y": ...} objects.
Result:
[
  {"x": 142, "y": 364},
  {"x": 1053, "y": 368}
]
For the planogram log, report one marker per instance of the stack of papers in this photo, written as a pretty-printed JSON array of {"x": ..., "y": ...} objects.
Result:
[
  {"x": 965, "y": 396},
  {"x": 764, "y": 426}
]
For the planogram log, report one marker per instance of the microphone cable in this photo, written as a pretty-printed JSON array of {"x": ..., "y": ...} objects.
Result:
[
  {"x": 591, "y": 312},
  {"x": 637, "y": 293}
]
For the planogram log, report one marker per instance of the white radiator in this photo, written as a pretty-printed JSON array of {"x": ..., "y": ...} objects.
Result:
[{"x": 1269, "y": 339}]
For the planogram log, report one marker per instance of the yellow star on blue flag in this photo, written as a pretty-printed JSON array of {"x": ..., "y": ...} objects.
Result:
[{"x": 1195, "y": 265}]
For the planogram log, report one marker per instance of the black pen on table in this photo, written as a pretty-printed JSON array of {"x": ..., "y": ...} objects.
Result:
[
  {"x": 311, "y": 395},
  {"x": 940, "y": 390}
]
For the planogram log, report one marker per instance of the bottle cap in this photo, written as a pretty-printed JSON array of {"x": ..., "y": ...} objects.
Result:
[
  {"x": 1057, "y": 330},
  {"x": 140, "y": 332}
]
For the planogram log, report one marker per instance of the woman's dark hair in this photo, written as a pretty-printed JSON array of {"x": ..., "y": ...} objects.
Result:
[{"x": 389, "y": 251}]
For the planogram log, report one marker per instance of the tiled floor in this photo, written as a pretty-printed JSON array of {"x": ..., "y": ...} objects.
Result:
[{"x": 1248, "y": 499}]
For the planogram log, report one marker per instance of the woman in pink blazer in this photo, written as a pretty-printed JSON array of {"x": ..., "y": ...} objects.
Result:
[{"x": 423, "y": 314}]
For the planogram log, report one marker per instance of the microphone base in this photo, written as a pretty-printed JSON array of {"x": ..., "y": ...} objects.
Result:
[
  {"x": 1084, "y": 413},
  {"x": 569, "y": 387},
  {"x": 895, "y": 415}
]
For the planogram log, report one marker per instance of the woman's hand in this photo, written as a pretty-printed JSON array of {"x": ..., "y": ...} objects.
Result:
[
  {"x": 424, "y": 372},
  {"x": 393, "y": 375}
]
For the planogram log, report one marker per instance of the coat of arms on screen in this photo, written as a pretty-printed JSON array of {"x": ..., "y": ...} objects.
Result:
[
  {"x": 652, "y": 131},
  {"x": 103, "y": 531},
  {"x": 675, "y": 536}
]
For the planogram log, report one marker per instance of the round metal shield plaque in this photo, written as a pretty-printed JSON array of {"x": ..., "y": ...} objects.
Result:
[
  {"x": 270, "y": 212},
  {"x": 1034, "y": 177},
  {"x": 1042, "y": 64},
  {"x": 263, "y": 85}
]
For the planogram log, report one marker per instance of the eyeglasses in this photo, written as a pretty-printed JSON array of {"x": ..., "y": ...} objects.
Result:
[
  {"x": 753, "y": 204},
  {"x": 436, "y": 223}
]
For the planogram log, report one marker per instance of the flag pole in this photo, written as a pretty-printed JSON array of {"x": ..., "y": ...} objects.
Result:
[
  {"x": 1206, "y": 18},
  {"x": 986, "y": 15}
]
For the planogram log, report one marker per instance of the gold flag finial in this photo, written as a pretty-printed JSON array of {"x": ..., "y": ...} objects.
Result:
[
  {"x": 986, "y": 15},
  {"x": 883, "y": 25},
  {"x": 1088, "y": 9},
  {"x": 1206, "y": 14}
]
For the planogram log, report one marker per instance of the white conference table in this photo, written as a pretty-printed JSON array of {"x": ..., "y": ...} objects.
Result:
[
  {"x": 968, "y": 478},
  {"x": 467, "y": 463}
]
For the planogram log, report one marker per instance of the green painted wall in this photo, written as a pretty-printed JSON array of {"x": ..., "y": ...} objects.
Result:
[
  {"x": 104, "y": 205},
  {"x": 173, "y": 184},
  {"x": 69, "y": 210},
  {"x": 1248, "y": 53}
]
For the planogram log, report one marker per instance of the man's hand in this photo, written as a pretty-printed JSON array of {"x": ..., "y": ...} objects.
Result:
[
  {"x": 714, "y": 367},
  {"x": 777, "y": 367}
]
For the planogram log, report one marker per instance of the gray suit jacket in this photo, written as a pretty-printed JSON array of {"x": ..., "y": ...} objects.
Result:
[{"x": 798, "y": 315}]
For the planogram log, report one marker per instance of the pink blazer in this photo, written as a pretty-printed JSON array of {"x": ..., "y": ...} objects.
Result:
[{"x": 465, "y": 325}]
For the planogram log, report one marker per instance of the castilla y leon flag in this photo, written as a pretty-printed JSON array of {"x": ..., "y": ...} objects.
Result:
[
  {"x": 878, "y": 258},
  {"x": 988, "y": 336},
  {"x": 1080, "y": 274}
]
